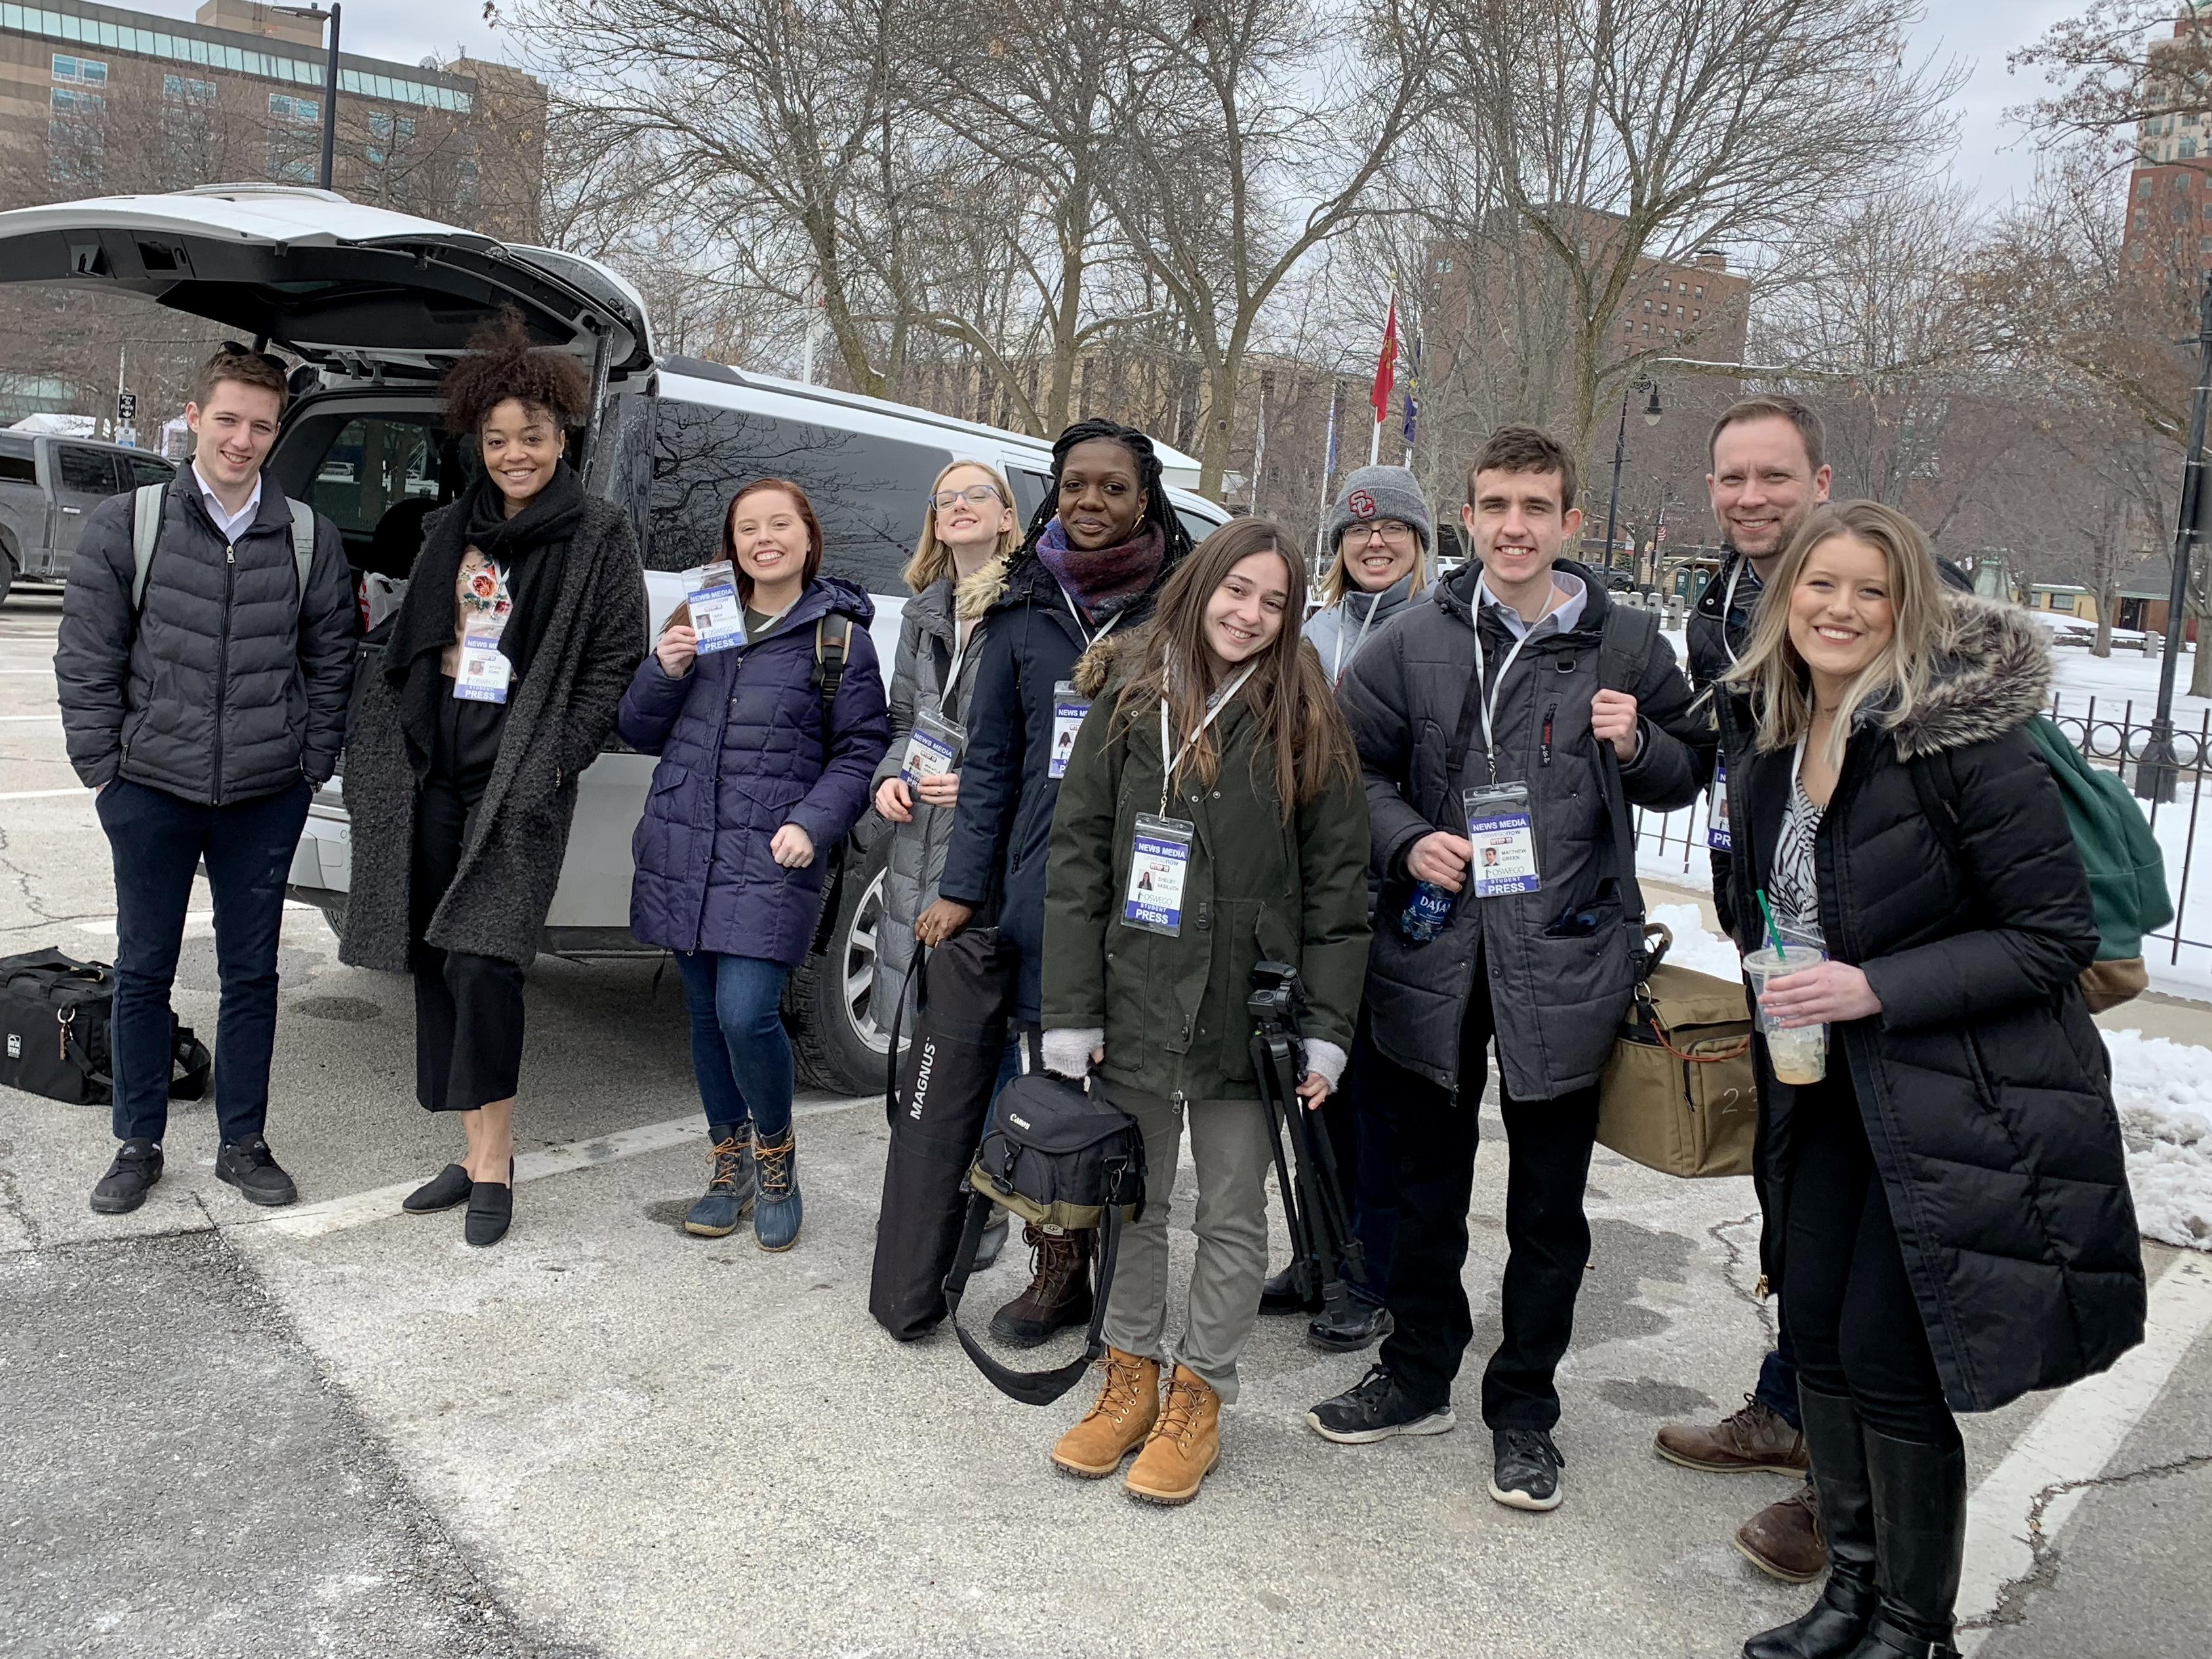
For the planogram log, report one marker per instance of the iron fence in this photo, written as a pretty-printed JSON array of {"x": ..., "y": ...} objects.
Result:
[{"x": 2108, "y": 733}]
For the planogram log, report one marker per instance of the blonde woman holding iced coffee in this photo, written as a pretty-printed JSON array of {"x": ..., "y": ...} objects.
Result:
[{"x": 1948, "y": 1217}]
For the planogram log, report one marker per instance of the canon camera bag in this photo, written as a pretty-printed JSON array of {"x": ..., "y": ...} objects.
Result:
[
  {"x": 1056, "y": 1156},
  {"x": 937, "y": 1095},
  {"x": 54, "y": 1017}
]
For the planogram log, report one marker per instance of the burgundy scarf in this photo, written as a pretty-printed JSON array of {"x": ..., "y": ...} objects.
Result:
[{"x": 1102, "y": 576}]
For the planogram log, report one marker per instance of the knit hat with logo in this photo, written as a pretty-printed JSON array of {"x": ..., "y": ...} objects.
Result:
[{"x": 1381, "y": 492}]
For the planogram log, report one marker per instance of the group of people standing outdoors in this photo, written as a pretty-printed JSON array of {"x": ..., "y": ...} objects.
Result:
[{"x": 1424, "y": 812}]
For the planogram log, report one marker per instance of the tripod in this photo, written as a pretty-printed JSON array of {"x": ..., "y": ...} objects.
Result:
[{"x": 1324, "y": 1252}]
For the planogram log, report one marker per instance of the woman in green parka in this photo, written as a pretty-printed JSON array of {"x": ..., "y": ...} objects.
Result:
[{"x": 1168, "y": 883}]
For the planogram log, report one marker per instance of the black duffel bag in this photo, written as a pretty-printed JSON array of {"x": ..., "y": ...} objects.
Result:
[
  {"x": 936, "y": 1096},
  {"x": 1057, "y": 1155},
  {"x": 54, "y": 1017}
]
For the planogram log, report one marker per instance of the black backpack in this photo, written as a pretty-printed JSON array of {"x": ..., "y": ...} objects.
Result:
[
  {"x": 55, "y": 1012},
  {"x": 1057, "y": 1155}
]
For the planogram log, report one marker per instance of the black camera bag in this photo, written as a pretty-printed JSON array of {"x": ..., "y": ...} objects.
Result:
[
  {"x": 54, "y": 1017},
  {"x": 1057, "y": 1155}
]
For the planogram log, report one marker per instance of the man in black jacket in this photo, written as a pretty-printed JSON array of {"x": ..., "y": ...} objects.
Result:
[
  {"x": 204, "y": 690},
  {"x": 1511, "y": 707}
]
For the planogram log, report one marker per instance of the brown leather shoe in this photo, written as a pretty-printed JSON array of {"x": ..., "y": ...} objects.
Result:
[
  {"x": 1184, "y": 1445},
  {"x": 1128, "y": 1404},
  {"x": 1058, "y": 1293},
  {"x": 1783, "y": 1540},
  {"x": 1752, "y": 1438}
]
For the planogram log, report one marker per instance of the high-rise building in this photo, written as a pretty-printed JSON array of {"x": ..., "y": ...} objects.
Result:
[
  {"x": 96, "y": 99},
  {"x": 2169, "y": 223}
]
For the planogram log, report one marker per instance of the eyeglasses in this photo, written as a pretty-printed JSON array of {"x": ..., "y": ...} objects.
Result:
[
  {"x": 979, "y": 493},
  {"x": 1389, "y": 529}
]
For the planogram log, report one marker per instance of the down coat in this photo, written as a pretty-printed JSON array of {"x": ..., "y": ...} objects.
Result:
[
  {"x": 915, "y": 858},
  {"x": 741, "y": 750},
  {"x": 1983, "y": 1083},
  {"x": 1558, "y": 959},
  {"x": 1258, "y": 888},
  {"x": 518, "y": 835}
]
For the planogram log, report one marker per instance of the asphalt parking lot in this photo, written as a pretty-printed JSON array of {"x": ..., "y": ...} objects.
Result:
[{"x": 337, "y": 1430}]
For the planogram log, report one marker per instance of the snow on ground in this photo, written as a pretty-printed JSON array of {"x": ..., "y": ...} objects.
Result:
[{"x": 2163, "y": 1090}]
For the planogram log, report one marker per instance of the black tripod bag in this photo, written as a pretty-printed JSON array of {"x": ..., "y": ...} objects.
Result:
[{"x": 937, "y": 1095}]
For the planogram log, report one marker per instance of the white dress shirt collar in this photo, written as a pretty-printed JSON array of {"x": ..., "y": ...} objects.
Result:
[
  {"x": 228, "y": 523},
  {"x": 1561, "y": 619}
]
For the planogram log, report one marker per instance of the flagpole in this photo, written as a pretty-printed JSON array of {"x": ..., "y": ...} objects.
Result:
[
  {"x": 1386, "y": 369},
  {"x": 1328, "y": 466}
]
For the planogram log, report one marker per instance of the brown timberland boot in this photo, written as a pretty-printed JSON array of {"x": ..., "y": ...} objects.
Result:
[
  {"x": 1784, "y": 1540},
  {"x": 1753, "y": 1438},
  {"x": 1183, "y": 1445},
  {"x": 1128, "y": 1404},
  {"x": 1059, "y": 1294}
]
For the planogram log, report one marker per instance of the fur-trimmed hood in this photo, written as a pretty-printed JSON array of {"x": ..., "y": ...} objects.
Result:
[
  {"x": 972, "y": 595},
  {"x": 1096, "y": 667},
  {"x": 1993, "y": 674}
]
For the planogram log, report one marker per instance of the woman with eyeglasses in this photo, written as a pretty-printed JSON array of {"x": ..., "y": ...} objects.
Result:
[{"x": 1382, "y": 536}]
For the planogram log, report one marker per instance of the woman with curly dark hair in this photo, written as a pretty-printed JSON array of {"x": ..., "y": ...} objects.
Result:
[{"x": 497, "y": 678}]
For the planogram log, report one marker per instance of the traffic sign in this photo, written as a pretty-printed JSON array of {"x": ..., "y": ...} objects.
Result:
[{"x": 127, "y": 407}]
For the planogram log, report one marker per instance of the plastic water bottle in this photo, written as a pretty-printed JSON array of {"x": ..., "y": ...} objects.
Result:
[{"x": 1428, "y": 914}]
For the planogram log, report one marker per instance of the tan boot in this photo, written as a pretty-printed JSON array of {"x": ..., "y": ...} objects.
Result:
[
  {"x": 1128, "y": 1404},
  {"x": 1185, "y": 1444}
]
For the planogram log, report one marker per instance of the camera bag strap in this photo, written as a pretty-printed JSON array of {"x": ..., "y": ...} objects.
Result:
[{"x": 1032, "y": 1388}]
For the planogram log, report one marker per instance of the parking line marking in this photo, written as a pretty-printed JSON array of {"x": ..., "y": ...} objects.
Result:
[
  {"x": 45, "y": 794},
  {"x": 26, "y": 719},
  {"x": 382, "y": 1203},
  {"x": 2076, "y": 1436}
]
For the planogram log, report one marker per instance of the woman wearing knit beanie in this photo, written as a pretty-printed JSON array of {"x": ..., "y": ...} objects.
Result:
[{"x": 1383, "y": 540}]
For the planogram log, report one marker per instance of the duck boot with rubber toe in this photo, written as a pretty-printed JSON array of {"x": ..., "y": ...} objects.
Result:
[
  {"x": 731, "y": 1186},
  {"x": 1183, "y": 1446},
  {"x": 777, "y": 1210},
  {"x": 1058, "y": 1293},
  {"x": 1128, "y": 1404}
]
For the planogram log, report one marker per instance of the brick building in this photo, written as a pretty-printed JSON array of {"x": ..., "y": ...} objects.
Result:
[{"x": 2169, "y": 223}]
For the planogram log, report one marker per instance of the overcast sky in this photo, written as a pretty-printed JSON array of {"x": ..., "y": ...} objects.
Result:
[{"x": 1992, "y": 155}]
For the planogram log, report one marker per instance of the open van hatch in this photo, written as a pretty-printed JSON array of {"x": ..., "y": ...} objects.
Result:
[{"x": 360, "y": 289}]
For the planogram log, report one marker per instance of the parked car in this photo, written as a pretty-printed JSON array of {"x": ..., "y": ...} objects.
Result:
[
  {"x": 376, "y": 304},
  {"x": 47, "y": 484}
]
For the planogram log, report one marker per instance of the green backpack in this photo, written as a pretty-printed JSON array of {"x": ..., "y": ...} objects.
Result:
[{"x": 2125, "y": 864}]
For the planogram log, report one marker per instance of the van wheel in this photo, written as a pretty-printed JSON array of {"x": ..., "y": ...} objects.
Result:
[{"x": 828, "y": 1005}]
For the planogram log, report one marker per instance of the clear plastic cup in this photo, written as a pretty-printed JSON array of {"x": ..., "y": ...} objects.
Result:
[{"x": 1799, "y": 1054}]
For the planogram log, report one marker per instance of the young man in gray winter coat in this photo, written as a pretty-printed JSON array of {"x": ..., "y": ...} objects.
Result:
[
  {"x": 205, "y": 700},
  {"x": 1485, "y": 726}
]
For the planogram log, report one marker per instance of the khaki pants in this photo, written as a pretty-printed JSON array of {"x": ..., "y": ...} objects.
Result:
[{"x": 1231, "y": 1147}]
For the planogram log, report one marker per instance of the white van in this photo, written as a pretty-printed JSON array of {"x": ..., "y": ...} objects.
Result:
[{"x": 377, "y": 304}]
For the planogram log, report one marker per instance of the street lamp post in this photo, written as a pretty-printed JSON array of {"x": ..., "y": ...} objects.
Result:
[
  {"x": 330, "y": 82},
  {"x": 2156, "y": 771},
  {"x": 1651, "y": 414}
]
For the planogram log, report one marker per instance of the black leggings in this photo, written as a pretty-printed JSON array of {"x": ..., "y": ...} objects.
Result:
[{"x": 1853, "y": 1319}]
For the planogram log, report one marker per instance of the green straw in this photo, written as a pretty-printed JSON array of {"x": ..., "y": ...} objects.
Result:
[{"x": 1773, "y": 933}]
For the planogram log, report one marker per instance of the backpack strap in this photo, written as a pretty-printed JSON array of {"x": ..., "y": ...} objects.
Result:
[
  {"x": 148, "y": 503},
  {"x": 303, "y": 543},
  {"x": 1031, "y": 1388},
  {"x": 1625, "y": 642},
  {"x": 829, "y": 675},
  {"x": 1938, "y": 799},
  {"x": 1624, "y": 647}
]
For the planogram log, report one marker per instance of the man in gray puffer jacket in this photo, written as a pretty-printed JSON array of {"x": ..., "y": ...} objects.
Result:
[
  {"x": 1518, "y": 675},
  {"x": 206, "y": 705}
]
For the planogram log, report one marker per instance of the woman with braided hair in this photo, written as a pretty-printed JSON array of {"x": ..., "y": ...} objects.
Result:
[{"x": 1091, "y": 564}]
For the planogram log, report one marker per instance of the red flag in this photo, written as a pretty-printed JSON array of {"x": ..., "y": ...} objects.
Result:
[{"x": 1386, "y": 369}]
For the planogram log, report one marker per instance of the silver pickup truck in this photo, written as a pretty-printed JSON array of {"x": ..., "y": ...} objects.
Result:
[{"x": 47, "y": 484}]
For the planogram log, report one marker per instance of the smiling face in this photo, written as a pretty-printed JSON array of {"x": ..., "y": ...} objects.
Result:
[
  {"x": 1379, "y": 554},
  {"x": 963, "y": 524},
  {"x": 235, "y": 428},
  {"x": 1245, "y": 614},
  {"x": 772, "y": 544},
  {"x": 522, "y": 446},
  {"x": 1763, "y": 487},
  {"x": 1519, "y": 525},
  {"x": 1841, "y": 619},
  {"x": 1101, "y": 496}
]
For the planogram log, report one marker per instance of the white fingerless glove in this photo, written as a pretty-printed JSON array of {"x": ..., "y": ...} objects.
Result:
[
  {"x": 1326, "y": 1061},
  {"x": 1067, "y": 1050}
]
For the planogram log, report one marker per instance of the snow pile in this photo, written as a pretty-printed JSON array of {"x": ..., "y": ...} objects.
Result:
[{"x": 2163, "y": 1090}]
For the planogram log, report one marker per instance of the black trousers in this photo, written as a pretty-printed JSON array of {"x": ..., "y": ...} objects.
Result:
[
  {"x": 468, "y": 1008},
  {"x": 1546, "y": 1235},
  {"x": 1853, "y": 1319}
]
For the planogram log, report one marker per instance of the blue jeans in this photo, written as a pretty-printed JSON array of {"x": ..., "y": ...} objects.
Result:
[
  {"x": 158, "y": 840},
  {"x": 739, "y": 1050},
  {"x": 1778, "y": 1379}
]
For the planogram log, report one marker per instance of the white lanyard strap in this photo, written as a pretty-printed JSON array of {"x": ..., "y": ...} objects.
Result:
[
  {"x": 964, "y": 635},
  {"x": 1215, "y": 705},
  {"x": 1727, "y": 610},
  {"x": 1490, "y": 696},
  {"x": 1082, "y": 627},
  {"x": 1336, "y": 668}
]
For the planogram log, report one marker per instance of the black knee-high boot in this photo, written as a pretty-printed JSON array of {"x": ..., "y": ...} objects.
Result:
[
  {"x": 1920, "y": 1540},
  {"x": 1838, "y": 1621}
]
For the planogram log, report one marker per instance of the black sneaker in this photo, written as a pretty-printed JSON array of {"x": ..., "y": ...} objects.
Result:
[
  {"x": 1362, "y": 1325},
  {"x": 136, "y": 1167},
  {"x": 1375, "y": 1409},
  {"x": 1527, "y": 1470},
  {"x": 251, "y": 1168}
]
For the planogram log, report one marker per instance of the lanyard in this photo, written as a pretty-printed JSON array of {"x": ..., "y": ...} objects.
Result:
[
  {"x": 964, "y": 635},
  {"x": 1215, "y": 705},
  {"x": 1727, "y": 610},
  {"x": 1336, "y": 668},
  {"x": 1082, "y": 627},
  {"x": 1489, "y": 697}
]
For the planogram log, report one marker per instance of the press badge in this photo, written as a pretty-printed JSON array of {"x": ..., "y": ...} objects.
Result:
[
  {"x": 1068, "y": 708},
  {"x": 1717, "y": 820},
  {"x": 716, "y": 616},
  {"x": 1159, "y": 859},
  {"x": 932, "y": 747},
  {"x": 485, "y": 672},
  {"x": 1504, "y": 835}
]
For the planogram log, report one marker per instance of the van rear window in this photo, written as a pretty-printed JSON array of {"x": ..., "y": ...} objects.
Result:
[
  {"x": 17, "y": 469},
  {"x": 869, "y": 492}
]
